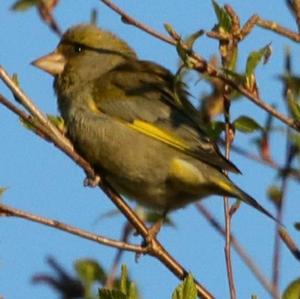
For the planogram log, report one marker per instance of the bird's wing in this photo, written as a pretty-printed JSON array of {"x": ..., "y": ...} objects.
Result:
[{"x": 145, "y": 97}]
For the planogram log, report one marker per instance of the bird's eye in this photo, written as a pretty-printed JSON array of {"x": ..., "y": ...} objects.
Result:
[{"x": 78, "y": 48}]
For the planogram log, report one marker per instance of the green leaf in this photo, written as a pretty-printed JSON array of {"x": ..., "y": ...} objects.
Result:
[
  {"x": 133, "y": 292},
  {"x": 190, "y": 40},
  {"x": 178, "y": 86},
  {"x": 182, "y": 49},
  {"x": 256, "y": 57},
  {"x": 111, "y": 294},
  {"x": 124, "y": 279},
  {"x": 186, "y": 290},
  {"x": 223, "y": 17},
  {"x": 215, "y": 129},
  {"x": 57, "y": 121},
  {"x": 30, "y": 126},
  {"x": 127, "y": 287},
  {"x": 246, "y": 124},
  {"x": 89, "y": 271},
  {"x": 293, "y": 290},
  {"x": 170, "y": 29},
  {"x": 23, "y": 5},
  {"x": 293, "y": 106},
  {"x": 295, "y": 139},
  {"x": 275, "y": 195},
  {"x": 239, "y": 78},
  {"x": 123, "y": 288},
  {"x": 15, "y": 79},
  {"x": 184, "y": 54},
  {"x": 232, "y": 64},
  {"x": 292, "y": 83}
]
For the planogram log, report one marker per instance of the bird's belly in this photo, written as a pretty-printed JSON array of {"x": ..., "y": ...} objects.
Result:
[{"x": 135, "y": 164}]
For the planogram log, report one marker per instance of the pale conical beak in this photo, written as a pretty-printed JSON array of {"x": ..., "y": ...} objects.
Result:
[{"x": 53, "y": 63}]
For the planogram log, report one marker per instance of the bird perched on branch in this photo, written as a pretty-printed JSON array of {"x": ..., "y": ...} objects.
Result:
[{"x": 131, "y": 120}]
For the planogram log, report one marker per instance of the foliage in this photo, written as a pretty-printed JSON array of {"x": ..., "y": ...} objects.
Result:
[
  {"x": 186, "y": 290},
  {"x": 293, "y": 290}
]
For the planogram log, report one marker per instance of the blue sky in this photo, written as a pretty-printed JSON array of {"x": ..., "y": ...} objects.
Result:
[{"x": 43, "y": 181}]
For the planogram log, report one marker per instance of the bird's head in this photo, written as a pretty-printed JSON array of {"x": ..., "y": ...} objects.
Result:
[{"x": 86, "y": 50}]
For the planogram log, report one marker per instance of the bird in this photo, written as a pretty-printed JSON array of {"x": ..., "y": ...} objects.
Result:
[{"x": 133, "y": 121}]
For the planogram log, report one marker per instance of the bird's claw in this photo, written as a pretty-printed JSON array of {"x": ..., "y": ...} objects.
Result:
[
  {"x": 152, "y": 233},
  {"x": 92, "y": 182}
]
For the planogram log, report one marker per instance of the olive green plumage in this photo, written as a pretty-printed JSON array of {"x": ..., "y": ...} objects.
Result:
[{"x": 132, "y": 120}]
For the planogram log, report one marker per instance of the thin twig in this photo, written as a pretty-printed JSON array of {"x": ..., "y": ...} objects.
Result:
[
  {"x": 33, "y": 109},
  {"x": 277, "y": 245},
  {"x": 227, "y": 249},
  {"x": 154, "y": 248},
  {"x": 45, "y": 10},
  {"x": 14, "y": 109},
  {"x": 228, "y": 141},
  {"x": 10, "y": 211},
  {"x": 238, "y": 248},
  {"x": 289, "y": 242},
  {"x": 290, "y": 153},
  {"x": 294, "y": 6},
  {"x": 293, "y": 173},
  {"x": 297, "y": 12},
  {"x": 205, "y": 67},
  {"x": 273, "y": 26},
  {"x": 126, "y": 18}
]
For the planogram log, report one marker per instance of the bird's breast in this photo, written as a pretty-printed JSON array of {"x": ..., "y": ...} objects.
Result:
[{"x": 131, "y": 159}]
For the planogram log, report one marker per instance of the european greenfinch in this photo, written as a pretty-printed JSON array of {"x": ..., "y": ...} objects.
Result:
[{"x": 133, "y": 122}]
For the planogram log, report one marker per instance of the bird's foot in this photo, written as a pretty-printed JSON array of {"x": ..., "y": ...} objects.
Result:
[
  {"x": 156, "y": 227},
  {"x": 150, "y": 242},
  {"x": 92, "y": 182}
]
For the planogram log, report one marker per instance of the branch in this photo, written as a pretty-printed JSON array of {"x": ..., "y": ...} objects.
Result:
[
  {"x": 131, "y": 21},
  {"x": 27, "y": 118},
  {"x": 9, "y": 211},
  {"x": 288, "y": 241},
  {"x": 154, "y": 248},
  {"x": 45, "y": 10},
  {"x": 273, "y": 26},
  {"x": 290, "y": 154},
  {"x": 229, "y": 136},
  {"x": 293, "y": 173},
  {"x": 203, "y": 66},
  {"x": 239, "y": 249}
]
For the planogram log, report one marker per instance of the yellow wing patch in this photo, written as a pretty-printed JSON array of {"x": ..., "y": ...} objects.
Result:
[
  {"x": 188, "y": 177},
  {"x": 185, "y": 173},
  {"x": 159, "y": 134},
  {"x": 225, "y": 186}
]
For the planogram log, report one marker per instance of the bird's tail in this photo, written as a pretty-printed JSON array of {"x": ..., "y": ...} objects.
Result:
[{"x": 243, "y": 196}]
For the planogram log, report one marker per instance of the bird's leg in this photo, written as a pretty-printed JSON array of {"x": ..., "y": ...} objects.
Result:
[{"x": 155, "y": 228}]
